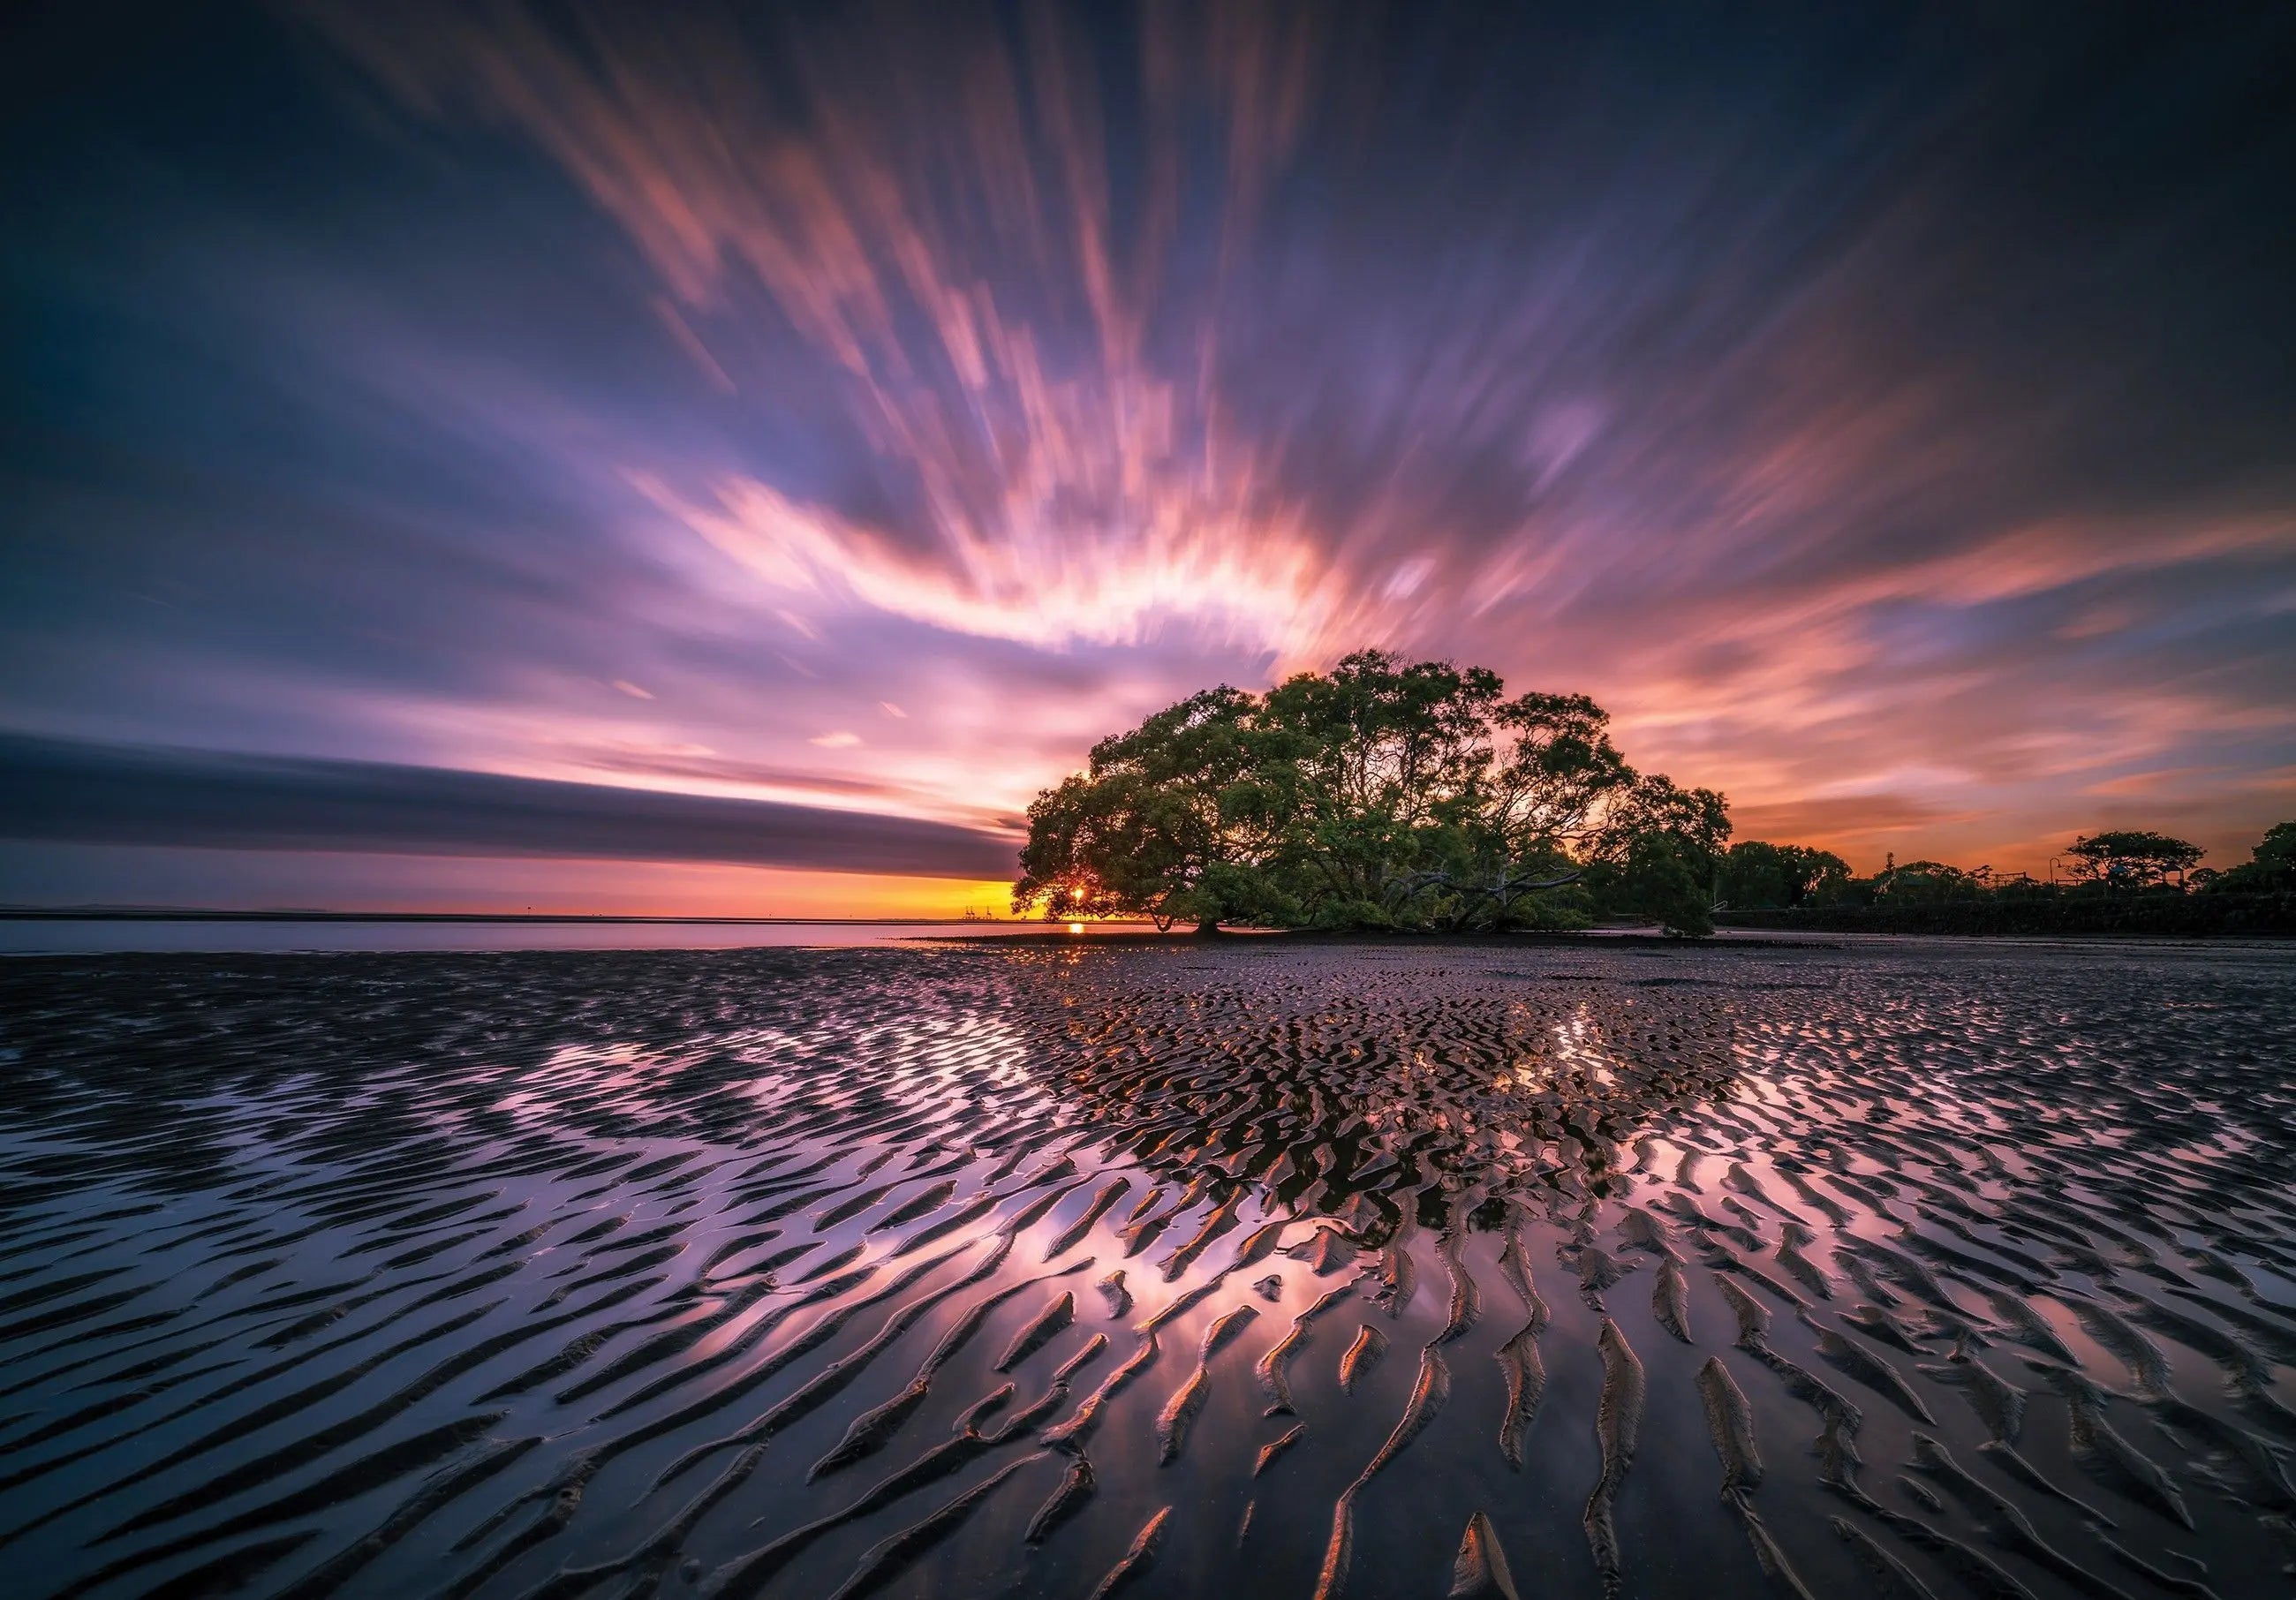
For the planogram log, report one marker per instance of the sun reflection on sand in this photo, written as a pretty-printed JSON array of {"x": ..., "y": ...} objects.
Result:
[{"x": 766, "y": 1260}]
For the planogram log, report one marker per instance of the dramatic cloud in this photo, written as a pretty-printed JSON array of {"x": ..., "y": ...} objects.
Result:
[
  {"x": 79, "y": 794},
  {"x": 1887, "y": 418}
]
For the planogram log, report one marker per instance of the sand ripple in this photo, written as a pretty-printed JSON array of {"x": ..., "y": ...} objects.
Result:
[{"x": 1926, "y": 1269}]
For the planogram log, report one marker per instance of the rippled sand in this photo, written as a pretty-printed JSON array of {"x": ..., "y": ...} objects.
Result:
[{"x": 1263, "y": 1269}]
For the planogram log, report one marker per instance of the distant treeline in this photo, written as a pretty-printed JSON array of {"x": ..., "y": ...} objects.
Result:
[
  {"x": 2172, "y": 914},
  {"x": 2125, "y": 882}
]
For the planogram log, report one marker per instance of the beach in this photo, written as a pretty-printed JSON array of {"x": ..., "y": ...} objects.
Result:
[{"x": 1179, "y": 1268}]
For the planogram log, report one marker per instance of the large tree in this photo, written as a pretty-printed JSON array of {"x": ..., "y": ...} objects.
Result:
[
  {"x": 2131, "y": 857},
  {"x": 1386, "y": 793},
  {"x": 1381, "y": 764}
]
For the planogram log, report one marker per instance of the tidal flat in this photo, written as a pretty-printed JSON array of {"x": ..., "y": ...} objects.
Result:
[{"x": 1193, "y": 1269}]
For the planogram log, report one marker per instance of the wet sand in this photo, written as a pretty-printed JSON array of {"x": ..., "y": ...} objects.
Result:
[{"x": 1940, "y": 1269}]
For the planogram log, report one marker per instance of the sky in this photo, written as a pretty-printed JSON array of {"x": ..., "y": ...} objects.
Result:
[{"x": 682, "y": 459}]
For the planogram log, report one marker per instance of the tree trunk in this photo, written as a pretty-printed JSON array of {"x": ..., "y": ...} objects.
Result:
[{"x": 1208, "y": 926}]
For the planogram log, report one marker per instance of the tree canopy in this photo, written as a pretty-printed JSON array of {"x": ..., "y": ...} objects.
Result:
[
  {"x": 1388, "y": 793},
  {"x": 1760, "y": 876},
  {"x": 2131, "y": 857}
]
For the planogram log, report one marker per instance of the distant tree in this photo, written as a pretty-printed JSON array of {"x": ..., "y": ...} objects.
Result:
[
  {"x": 2131, "y": 858},
  {"x": 1921, "y": 882},
  {"x": 1758, "y": 875},
  {"x": 1386, "y": 793},
  {"x": 2019, "y": 886},
  {"x": 2271, "y": 866}
]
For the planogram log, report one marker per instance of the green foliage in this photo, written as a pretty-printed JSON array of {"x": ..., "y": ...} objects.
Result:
[
  {"x": 1758, "y": 875},
  {"x": 1170, "y": 820},
  {"x": 1670, "y": 879},
  {"x": 1387, "y": 795}
]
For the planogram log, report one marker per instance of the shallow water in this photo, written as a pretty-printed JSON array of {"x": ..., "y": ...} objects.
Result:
[
  {"x": 1935, "y": 1268},
  {"x": 234, "y": 935}
]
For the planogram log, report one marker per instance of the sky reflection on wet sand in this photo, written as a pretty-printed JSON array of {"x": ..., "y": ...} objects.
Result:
[{"x": 526, "y": 1274}]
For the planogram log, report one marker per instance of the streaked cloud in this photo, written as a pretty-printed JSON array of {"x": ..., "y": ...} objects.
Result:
[
  {"x": 82, "y": 793},
  {"x": 1884, "y": 418}
]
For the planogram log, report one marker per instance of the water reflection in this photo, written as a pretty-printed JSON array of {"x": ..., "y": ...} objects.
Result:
[{"x": 1325, "y": 1088}]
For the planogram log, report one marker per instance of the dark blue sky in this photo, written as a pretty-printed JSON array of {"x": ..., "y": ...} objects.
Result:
[{"x": 1888, "y": 416}]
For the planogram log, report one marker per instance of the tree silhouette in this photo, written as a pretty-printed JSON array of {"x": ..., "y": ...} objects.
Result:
[
  {"x": 2131, "y": 857},
  {"x": 1760, "y": 875},
  {"x": 1924, "y": 882},
  {"x": 2271, "y": 866}
]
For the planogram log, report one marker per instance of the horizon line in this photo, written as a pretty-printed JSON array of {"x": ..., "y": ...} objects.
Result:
[{"x": 29, "y": 913}]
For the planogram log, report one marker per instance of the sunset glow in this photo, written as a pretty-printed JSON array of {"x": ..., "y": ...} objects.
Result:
[{"x": 969, "y": 798}]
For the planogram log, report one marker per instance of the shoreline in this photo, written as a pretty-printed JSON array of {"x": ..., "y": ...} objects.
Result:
[
  {"x": 1757, "y": 931},
  {"x": 1140, "y": 931},
  {"x": 1633, "y": 943},
  {"x": 195, "y": 914}
]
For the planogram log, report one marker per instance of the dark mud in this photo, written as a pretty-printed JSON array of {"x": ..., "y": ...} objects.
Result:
[{"x": 1277, "y": 1270}]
